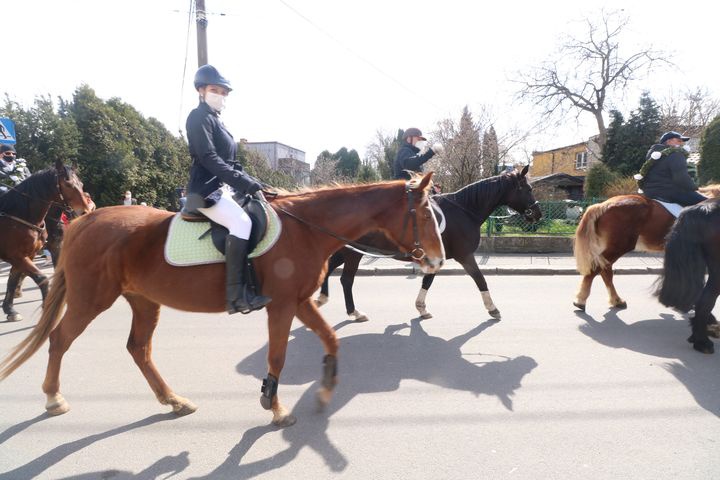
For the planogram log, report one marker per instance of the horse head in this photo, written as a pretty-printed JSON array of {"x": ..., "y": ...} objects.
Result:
[
  {"x": 417, "y": 235},
  {"x": 521, "y": 198},
  {"x": 70, "y": 188}
]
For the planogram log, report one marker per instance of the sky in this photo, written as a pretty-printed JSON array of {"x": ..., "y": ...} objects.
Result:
[{"x": 320, "y": 75}]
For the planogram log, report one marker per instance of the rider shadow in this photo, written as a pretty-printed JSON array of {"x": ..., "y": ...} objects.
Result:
[
  {"x": 370, "y": 363},
  {"x": 665, "y": 338},
  {"x": 166, "y": 467},
  {"x": 36, "y": 467}
]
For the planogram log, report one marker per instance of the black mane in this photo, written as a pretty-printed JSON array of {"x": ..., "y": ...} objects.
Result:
[
  {"x": 486, "y": 192},
  {"x": 40, "y": 186}
]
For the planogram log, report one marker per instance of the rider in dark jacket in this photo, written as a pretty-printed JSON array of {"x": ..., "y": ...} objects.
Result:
[
  {"x": 664, "y": 175},
  {"x": 213, "y": 150},
  {"x": 409, "y": 157}
]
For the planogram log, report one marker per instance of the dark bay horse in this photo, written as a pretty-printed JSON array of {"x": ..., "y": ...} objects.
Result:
[
  {"x": 118, "y": 251},
  {"x": 464, "y": 212},
  {"x": 22, "y": 213},
  {"x": 609, "y": 230},
  {"x": 691, "y": 251}
]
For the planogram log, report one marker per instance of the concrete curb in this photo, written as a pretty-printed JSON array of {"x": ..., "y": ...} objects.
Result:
[{"x": 524, "y": 270}]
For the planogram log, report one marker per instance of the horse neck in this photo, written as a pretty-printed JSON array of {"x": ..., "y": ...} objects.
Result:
[
  {"x": 35, "y": 198},
  {"x": 484, "y": 196},
  {"x": 348, "y": 212}
]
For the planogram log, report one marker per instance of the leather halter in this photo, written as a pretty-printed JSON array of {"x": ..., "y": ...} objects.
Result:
[{"x": 417, "y": 253}]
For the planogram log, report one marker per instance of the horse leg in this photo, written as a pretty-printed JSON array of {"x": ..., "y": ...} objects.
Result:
[
  {"x": 584, "y": 292},
  {"x": 614, "y": 299},
  {"x": 146, "y": 315},
  {"x": 420, "y": 300},
  {"x": 18, "y": 289},
  {"x": 472, "y": 269},
  {"x": 309, "y": 315},
  {"x": 280, "y": 319},
  {"x": 336, "y": 259},
  {"x": 347, "y": 279},
  {"x": 14, "y": 279},
  {"x": 703, "y": 311}
]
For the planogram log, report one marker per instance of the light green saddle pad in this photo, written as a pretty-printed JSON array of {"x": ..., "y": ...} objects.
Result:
[{"x": 184, "y": 247}]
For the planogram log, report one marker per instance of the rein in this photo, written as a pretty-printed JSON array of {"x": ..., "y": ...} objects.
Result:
[
  {"x": 39, "y": 229},
  {"x": 417, "y": 252}
]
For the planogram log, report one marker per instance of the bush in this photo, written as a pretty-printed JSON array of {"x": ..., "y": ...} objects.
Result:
[
  {"x": 621, "y": 186},
  {"x": 599, "y": 177}
]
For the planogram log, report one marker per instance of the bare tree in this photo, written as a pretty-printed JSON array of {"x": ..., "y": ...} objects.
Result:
[
  {"x": 325, "y": 169},
  {"x": 587, "y": 72},
  {"x": 689, "y": 112}
]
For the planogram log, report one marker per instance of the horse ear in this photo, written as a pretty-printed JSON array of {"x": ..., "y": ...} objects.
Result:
[
  {"x": 59, "y": 167},
  {"x": 525, "y": 170},
  {"x": 425, "y": 182}
]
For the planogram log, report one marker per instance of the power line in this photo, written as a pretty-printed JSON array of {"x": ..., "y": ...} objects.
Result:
[{"x": 357, "y": 55}]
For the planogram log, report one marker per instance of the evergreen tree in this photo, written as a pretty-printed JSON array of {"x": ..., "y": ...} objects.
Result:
[
  {"x": 709, "y": 165},
  {"x": 348, "y": 163},
  {"x": 490, "y": 153},
  {"x": 599, "y": 177}
]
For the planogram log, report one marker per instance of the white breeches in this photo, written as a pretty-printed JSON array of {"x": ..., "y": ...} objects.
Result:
[{"x": 230, "y": 215}]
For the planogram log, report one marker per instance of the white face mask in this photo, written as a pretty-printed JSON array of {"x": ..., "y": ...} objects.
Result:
[
  {"x": 215, "y": 101},
  {"x": 421, "y": 144}
]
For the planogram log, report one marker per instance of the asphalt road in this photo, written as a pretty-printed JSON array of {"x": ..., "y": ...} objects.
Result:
[{"x": 546, "y": 393}]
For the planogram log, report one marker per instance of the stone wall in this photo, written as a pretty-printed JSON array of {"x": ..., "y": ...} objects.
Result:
[{"x": 527, "y": 244}]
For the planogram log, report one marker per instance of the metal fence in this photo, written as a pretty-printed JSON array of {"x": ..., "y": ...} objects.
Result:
[{"x": 559, "y": 218}]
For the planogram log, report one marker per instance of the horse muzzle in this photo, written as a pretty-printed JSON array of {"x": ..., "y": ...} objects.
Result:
[{"x": 431, "y": 264}]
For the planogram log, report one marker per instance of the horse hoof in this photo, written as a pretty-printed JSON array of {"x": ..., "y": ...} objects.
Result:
[
  {"x": 358, "y": 316},
  {"x": 579, "y": 306},
  {"x": 184, "y": 409},
  {"x": 426, "y": 315},
  {"x": 14, "y": 317},
  {"x": 265, "y": 402},
  {"x": 620, "y": 306},
  {"x": 284, "y": 421},
  {"x": 58, "y": 406},
  {"x": 713, "y": 331},
  {"x": 323, "y": 398},
  {"x": 704, "y": 346},
  {"x": 321, "y": 300},
  {"x": 495, "y": 314}
]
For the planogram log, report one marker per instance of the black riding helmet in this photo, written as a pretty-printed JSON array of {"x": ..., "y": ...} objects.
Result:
[{"x": 208, "y": 75}]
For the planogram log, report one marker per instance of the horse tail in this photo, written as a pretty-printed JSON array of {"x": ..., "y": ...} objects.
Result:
[
  {"x": 683, "y": 277},
  {"x": 49, "y": 320},
  {"x": 587, "y": 247}
]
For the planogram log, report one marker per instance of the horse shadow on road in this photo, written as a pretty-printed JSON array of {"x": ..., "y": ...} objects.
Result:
[
  {"x": 369, "y": 363},
  {"x": 664, "y": 338},
  {"x": 36, "y": 467}
]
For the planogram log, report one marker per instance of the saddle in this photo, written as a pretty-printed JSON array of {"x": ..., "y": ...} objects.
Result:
[
  {"x": 673, "y": 208},
  {"x": 193, "y": 239}
]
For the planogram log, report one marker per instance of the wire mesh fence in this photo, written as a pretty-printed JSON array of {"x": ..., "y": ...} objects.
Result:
[{"x": 559, "y": 218}]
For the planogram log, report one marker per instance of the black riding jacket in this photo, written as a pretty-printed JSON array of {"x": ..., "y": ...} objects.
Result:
[
  {"x": 408, "y": 159},
  {"x": 213, "y": 150},
  {"x": 668, "y": 174}
]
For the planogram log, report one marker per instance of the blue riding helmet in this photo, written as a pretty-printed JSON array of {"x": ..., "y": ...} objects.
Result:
[{"x": 208, "y": 75}]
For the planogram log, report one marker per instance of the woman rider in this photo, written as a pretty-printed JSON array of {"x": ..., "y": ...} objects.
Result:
[{"x": 213, "y": 150}]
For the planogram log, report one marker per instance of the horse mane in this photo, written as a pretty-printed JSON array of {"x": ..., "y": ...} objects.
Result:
[
  {"x": 36, "y": 187},
  {"x": 336, "y": 185},
  {"x": 711, "y": 191},
  {"x": 483, "y": 192}
]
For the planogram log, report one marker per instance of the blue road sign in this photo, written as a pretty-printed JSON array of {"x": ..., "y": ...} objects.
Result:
[{"x": 7, "y": 131}]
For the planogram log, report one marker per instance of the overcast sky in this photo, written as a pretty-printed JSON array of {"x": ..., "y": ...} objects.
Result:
[{"x": 321, "y": 74}]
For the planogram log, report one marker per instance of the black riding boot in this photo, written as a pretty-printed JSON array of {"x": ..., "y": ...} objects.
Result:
[{"x": 239, "y": 293}]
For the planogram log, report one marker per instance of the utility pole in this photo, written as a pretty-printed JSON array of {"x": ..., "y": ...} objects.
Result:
[{"x": 201, "y": 21}]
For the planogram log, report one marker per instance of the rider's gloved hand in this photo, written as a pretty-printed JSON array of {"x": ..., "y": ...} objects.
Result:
[{"x": 254, "y": 187}]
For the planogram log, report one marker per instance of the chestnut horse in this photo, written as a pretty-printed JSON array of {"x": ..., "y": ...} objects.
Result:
[
  {"x": 609, "y": 230},
  {"x": 22, "y": 213},
  {"x": 693, "y": 248},
  {"x": 119, "y": 251}
]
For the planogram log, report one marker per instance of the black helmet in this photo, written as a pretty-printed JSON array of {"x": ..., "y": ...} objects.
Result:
[{"x": 208, "y": 75}]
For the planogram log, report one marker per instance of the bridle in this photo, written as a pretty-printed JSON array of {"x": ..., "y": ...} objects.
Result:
[
  {"x": 64, "y": 206},
  {"x": 417, "y": 253}
]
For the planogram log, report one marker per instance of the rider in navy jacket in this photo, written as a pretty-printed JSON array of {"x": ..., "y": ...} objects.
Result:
[
  {"x": 408, "y": 156},
  {"x": 213, "y": 150}
]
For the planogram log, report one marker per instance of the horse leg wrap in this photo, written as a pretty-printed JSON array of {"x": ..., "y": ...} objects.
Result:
[
  {"x": 268, "y": 390},
  {"x": 329, "y": 371}
]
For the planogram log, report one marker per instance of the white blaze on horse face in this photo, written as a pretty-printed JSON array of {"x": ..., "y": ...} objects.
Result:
[{"x": 432, "y": 265}]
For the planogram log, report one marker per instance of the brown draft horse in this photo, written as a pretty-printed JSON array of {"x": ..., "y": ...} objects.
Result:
[
  {"x": 22, "y": 213},
  {"x": 609, "y": 230},
  {"x": 119, "y": 251}
]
